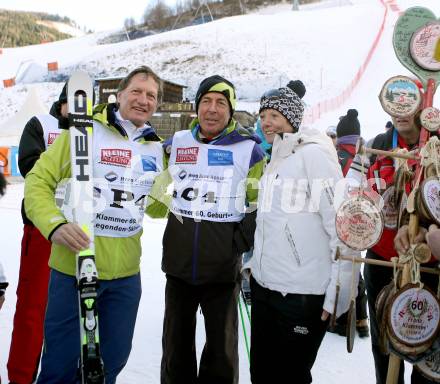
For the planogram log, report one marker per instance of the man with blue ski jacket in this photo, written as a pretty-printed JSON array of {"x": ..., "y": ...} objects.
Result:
[{"x": 127, "y": 155}]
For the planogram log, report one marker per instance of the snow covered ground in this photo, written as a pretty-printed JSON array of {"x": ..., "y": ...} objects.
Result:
[
  {"x": 333, "y": 366},
  {"x": 322, "y": 45}
]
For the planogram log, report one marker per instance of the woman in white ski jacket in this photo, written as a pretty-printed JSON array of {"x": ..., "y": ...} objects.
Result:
[{"x": 293, "y": 271}]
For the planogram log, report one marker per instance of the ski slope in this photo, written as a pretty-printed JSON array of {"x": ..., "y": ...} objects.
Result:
[{"x": 323, "y": 45}]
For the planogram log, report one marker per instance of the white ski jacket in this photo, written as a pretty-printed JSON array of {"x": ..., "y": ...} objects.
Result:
[
  {"x": 3, "y": 282},
  {"x": 2, "y": 274},
  {"x": 295, "y": 239}
]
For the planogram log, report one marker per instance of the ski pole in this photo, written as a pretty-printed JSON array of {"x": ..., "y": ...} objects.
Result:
[
  {"x": 244, "y": 330},
  {"x": 246, "y": 306}
]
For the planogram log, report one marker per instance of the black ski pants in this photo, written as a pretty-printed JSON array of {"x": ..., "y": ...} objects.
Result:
[
  {"x": 219, "y": 360},
  {"x": 377, "y": 277},
  {"x": 286, "y": 332}
]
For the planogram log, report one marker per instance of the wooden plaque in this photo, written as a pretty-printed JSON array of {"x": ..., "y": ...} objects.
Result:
[
  {"x": 400, "y": 96},
  {"x": 430, "y": 367},
  {"x": 424, "y": 45},
  {"x": 411, "y": 21},
  {"x": 430, "y": 119},
  {"x": 359, "y": 223},
  {"x": 430, "y": 198},
  {"x": 413, "y": 316}
]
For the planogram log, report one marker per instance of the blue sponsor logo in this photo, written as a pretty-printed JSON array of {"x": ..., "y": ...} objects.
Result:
[
  {"x": 149, "y": 163},
  {"x": 111, "y": 176},
  {"x": 220, "y": 157}
]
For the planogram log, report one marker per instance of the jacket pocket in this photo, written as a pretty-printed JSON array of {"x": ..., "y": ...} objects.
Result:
[{"x": 292, "y": 244}]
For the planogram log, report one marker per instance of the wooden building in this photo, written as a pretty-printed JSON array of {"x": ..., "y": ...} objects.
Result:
[
  {"x": 172, "y": 92},
  {"x": 166, "y": 123},
  {"x": 172, "y": 114}
]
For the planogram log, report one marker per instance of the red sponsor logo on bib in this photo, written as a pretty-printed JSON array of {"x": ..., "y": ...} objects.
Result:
[
  {"x": 52, "y": 137},
  {"x": 113, "y": 156},
  {"x": 187, "y": 155}
]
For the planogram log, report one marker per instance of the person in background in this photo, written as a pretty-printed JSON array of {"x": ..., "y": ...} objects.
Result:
[
  {"x": 369, "y": 142},
  {"x": 348, "y": 133},
  {"x": 33, "y": 279},
  {"x": 331, "y": 132},
  {"x": 404, "y": 134}
]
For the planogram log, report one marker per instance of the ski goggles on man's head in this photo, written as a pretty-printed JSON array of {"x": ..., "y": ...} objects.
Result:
[{"x": 271, "y": 93}]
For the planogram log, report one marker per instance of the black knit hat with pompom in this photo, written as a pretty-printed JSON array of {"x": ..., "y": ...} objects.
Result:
[
  {"x": 349, "y": 124},
  {"x": 298, "y": 87}
]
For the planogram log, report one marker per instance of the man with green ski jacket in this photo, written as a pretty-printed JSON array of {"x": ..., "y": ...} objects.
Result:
[{"x": 127, "y": 155}]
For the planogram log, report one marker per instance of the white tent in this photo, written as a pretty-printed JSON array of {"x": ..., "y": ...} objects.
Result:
[{"x": 10, "y": 131}]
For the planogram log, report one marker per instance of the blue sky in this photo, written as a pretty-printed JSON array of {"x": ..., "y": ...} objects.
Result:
[{"x": 96, "y": 15}]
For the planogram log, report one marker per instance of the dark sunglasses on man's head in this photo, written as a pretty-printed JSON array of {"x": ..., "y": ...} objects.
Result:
[{"x": 331, "y": 135}]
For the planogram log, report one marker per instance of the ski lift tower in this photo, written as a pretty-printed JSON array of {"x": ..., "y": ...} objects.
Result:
[
  {"x": 203, "y": 3},
  {"x": 295, "y": 5}
]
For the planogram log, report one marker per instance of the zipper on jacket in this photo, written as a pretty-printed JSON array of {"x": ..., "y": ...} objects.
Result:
[
  {"x": 265, "y": 198},
  {"x": 195, "y": 255},
  {"x": 292, "y": 244},
  {"x": 262, "y": 248}
]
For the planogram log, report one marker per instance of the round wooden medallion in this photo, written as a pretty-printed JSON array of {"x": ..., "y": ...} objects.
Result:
[
  {"x": 381, "y": 300},
  {"x": 424, "y": 46},
  {"x": 407, "y": 353},
  {"x": 359, "y": 223},
  {"x": 422, "y": 253},
  {"x": 400, "y": 96},
  {"x": 430, "y": 119},
  {"x": 430, "y": 198},
  {"x": 430, "y": 367},
  {"x": 413, "y": 316}
]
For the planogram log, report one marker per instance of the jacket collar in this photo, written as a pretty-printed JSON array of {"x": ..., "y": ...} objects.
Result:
[
  {"x": 233, "y": 133},
  {"x": 105, "y": 114},
  {"x": 287, "y": 143}
]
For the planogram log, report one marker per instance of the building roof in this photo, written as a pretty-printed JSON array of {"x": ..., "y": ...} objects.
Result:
[{"x": 121, "y": 77}]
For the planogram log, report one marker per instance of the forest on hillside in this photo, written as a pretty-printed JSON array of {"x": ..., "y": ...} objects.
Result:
[{"x": 23, "y": 28}]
